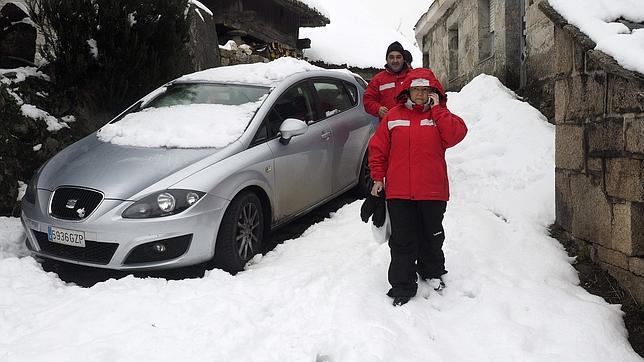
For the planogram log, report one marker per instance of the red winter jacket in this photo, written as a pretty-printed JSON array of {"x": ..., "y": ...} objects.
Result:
[
  {"x": 382, "y": 90},
  {"x": 408, "y": 148}
]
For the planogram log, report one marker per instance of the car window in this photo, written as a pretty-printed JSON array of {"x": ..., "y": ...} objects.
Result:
[
  {"x": 361, "y": 81},
  {"x": 294, "y": 103},
  {"x": 261, "y": 135},
  {"x": 353, "y": 92},
  {"x": 333, "y": 97},
  {"x": 200, "y": 93}
]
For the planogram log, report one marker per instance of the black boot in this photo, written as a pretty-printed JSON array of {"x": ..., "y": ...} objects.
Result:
[
  {"x": 398, "y": 301},
  {"x": 437, "y": 283}
]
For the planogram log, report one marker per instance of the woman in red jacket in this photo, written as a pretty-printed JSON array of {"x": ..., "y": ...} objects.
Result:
[{"x": 407, "y": 158}]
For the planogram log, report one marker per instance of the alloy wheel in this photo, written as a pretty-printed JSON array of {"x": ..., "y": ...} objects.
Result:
[{"x": 248, "y": 231}]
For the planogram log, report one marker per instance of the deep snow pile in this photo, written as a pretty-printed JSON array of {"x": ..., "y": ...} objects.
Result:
[
  {"x": 598, "y": 20},
  {"x": 512, "y": 294}
]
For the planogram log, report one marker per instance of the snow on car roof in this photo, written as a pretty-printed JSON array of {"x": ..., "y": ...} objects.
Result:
[{"x": 268, "y": 74}]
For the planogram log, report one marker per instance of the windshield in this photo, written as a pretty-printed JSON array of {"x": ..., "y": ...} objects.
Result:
[
  {"x": 196, "y": 93},
  {"x": 188, "y": 115}
]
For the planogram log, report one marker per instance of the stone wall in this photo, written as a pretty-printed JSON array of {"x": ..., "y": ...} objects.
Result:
[
  {"x": 508, "y": 61},
  {"x": 538, "y": 86},
  {"x": 599, "y": 157}
]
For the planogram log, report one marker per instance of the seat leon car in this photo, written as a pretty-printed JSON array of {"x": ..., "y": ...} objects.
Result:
[{"x": 202, "y": 169}]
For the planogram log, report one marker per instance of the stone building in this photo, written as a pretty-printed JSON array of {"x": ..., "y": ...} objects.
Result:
[
  {"x": 599, "y": 155},
  {"x": 597, "y": 106},
  {"x": 271, "y": 28},
  {"x": 509, "y": 39}
]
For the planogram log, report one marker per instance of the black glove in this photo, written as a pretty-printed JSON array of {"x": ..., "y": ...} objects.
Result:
[
  {"x": 374, "y": 207},
  {"x": 379, "y": 214},
  {"x": 368, "y": 207}
]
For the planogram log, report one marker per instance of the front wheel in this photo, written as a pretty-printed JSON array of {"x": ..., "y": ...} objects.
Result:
[
  {"x": 365, "y": 182},
  {"x": 240, "y": 234}
]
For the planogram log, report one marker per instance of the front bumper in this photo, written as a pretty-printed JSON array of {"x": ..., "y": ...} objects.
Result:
[{"x": 113, "y": 242}]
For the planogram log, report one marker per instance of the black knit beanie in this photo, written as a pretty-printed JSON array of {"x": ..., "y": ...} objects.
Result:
[
  {"x": 407, "y": 56},
  {"x": 395, "y": 47}
]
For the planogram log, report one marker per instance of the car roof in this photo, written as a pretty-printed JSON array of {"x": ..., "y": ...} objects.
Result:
[{"x": 269, "y": 74}]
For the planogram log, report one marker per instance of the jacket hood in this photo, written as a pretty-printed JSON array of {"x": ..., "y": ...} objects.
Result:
[{"x": 422, "y": 77}]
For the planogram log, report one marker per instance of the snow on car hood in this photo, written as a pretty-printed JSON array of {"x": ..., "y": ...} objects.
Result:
[
  {"x": 181, "y": 126},
  {"x": 269, "y": 74}
]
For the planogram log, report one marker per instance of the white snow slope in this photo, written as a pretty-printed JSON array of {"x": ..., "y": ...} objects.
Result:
[{"x": 512, "y": 294}]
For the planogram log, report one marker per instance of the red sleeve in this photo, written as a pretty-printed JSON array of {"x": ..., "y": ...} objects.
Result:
[
  {"x": 371, "y": 98},
  {"x": 451, "y": 127},
  {"x": 379, "y": 150}
]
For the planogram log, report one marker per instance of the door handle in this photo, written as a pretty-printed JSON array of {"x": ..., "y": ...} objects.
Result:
[{"x": 326, "y": 134}]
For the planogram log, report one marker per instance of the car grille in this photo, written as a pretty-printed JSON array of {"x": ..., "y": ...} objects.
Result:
[
  {"x": 71, "y": 203},
  {"x": 93, "y": 252}
]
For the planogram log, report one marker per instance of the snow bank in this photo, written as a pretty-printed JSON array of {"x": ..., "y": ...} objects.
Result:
[
  {"x": 182, "y": 126},
  {"x": 12, "y": 238},
  {"x": 597, "y": 19},
  {"x": 511, "y": 293},
  {"x": 506, "y": 162}
]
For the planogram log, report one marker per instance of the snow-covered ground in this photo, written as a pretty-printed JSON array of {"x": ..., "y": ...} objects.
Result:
[{"x": 512, "y": 294}]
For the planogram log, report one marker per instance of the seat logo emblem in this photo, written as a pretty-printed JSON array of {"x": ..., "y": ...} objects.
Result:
[
  {"x": 71, "y": 203},
  {"x": 81, "y": 212}
]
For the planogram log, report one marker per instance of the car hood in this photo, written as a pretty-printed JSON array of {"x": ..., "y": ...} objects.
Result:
[{"x": 122, "y": 172}]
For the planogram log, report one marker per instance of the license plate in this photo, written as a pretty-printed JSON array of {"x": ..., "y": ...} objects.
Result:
[{"x": 67, "y": 237}]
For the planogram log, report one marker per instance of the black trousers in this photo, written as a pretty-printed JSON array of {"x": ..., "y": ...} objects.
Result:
[{"x": 416, "y": 243}]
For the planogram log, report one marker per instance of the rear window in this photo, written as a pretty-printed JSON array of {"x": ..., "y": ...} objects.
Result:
[
  {"x": 361, "y": 81},
  {"x": 353, "y": 92},
  {"x": 333, "y": 97}
]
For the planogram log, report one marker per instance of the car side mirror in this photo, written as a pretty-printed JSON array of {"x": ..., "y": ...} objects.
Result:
[{"x": 291, "y": 127}]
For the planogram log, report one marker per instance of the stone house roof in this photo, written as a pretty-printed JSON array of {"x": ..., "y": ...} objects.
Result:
[
  {"x": 604, "y": 60},
  {"x": 436, "y": 11},
  {"x": 309, "y": 17}
]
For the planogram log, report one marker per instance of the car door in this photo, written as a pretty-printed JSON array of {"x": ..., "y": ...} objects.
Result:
[
  {"x": 350, "y": 128},
  {"x": 303, "y": 166}
]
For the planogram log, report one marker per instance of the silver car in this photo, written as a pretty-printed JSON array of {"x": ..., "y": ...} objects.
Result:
[{"x": 125, "y": 207}]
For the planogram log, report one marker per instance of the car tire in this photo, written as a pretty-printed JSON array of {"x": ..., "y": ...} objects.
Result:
[
  {"x": 365, "y": 182},
  {"x": 241, "y": 233}
]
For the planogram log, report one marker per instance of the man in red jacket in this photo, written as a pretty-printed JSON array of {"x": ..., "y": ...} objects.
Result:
[
  {"x": 407, "y": 158},
  {"x": 381, "y": 92}
]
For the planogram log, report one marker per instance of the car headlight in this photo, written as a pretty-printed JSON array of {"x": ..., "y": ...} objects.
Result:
[{"x": 163, "y": 203}]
